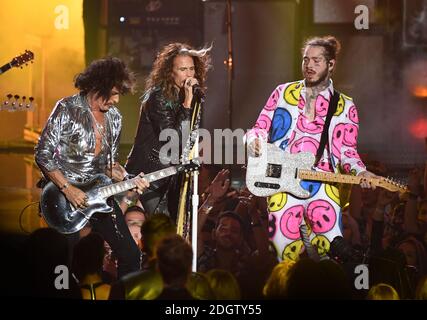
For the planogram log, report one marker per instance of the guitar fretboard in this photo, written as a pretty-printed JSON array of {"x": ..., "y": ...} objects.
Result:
[
  {"x": 119, "y": 187},
  {"x": 328, "y": 177},
  {"x": 5, "y": 67},
  {"x": 388, "y": 184}
]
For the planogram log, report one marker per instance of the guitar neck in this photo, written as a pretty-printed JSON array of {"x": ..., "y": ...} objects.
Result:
[
  {"x": 5, "y": 67},
  {"x": 122, "y": 186},
  {"x": 328, "y": 177}
]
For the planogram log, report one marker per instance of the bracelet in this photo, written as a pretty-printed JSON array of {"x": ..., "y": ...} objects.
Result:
[
  {"x": 207, "y": 208},
  {"x": 65, "y": 186}
]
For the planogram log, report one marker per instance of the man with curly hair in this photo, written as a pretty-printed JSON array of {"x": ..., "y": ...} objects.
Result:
[
  {"x": 166, "y": 104},
  {"x": 81, "y": 139}
]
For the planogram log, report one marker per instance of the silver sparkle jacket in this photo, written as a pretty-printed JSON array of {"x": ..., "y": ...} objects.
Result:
[{"x": 67, "y": 142}]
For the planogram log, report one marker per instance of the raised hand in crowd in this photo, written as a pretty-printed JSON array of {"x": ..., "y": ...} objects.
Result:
[
  {"x": 252, "y": 209},
  {"x": 220, "y": 185},
  {"x": 218, "y": 192}
]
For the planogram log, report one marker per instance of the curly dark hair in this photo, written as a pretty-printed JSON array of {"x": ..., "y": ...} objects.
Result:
[
  {"x": 161, "y": 74},
  {"x": 102, "y": 75}
]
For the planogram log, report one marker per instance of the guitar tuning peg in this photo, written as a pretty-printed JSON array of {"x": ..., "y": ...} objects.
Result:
[
  {"x": 9, "y": 96},
  {"x": 30, "y": 104},
  {"x": 16, "y": 97}
]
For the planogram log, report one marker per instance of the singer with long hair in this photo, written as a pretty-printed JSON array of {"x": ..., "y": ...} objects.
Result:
[{"x": 177, "y": 77}]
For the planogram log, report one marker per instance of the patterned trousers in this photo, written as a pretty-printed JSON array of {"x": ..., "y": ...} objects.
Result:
[{"x": 321, "y": 213}]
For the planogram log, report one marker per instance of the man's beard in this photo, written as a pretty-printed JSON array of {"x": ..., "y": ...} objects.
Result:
[{"x": 323, "y": 76}]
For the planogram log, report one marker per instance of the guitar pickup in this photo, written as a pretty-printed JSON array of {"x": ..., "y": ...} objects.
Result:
[
  {"x": 267, "y": 185},
  {"x": 273, "y": 170}
]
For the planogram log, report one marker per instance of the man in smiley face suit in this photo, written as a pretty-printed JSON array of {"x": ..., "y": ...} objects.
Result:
[{"x": 294, "y": 119}]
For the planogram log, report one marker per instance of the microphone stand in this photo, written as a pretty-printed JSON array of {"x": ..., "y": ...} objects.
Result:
[
  {"x": 195, "y": 196},
  {"x": 229, "y": 64},
  {"x": 195, "y": 208}
]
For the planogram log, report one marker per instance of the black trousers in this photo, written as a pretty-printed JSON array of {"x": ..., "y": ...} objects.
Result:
[
  {"x": 120, "y": 240},
  {"x": 162, "y": 198}
]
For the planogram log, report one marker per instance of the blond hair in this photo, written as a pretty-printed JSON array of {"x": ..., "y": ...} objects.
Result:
[
  {"x": 382, "y": 291},
  {"x": 276, "y": 285}
]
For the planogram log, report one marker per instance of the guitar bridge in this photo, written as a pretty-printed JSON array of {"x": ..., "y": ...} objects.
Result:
[{"x": 273, "y": 170}]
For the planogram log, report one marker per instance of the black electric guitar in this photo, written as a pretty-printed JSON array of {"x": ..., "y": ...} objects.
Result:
[
  {"x": 61, "y": 215},
  {"x": 18, "y": 61}
]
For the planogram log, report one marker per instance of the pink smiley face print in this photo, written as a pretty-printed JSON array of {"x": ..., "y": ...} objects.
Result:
[
  {"x": 343, "y": 134},
  {"x": 272, "y": 101},
  {"x": 290, "y": 222},
  {"x": 352, "y": 114},
  {"x": 263, "y": 122},
  {"x": 322, "y": 216},
  {"x": 305, "y": 144},
  {"x": 321, "y": 106},
  {"x": 313, "y": 127}
]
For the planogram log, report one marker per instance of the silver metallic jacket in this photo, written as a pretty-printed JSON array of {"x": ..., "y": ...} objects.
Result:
[{"x": 67, "y": 142}]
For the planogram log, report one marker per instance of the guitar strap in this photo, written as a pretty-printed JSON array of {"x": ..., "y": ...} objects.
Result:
[{"x": 325, "y": 134}]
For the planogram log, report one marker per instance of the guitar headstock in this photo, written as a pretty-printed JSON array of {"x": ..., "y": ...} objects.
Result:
[
  {"x": 24, "y": 58},
  {"x": 392, "y": 185},
  {"x": 192, "y": 165},
  {"x": 17, "y": 103}
]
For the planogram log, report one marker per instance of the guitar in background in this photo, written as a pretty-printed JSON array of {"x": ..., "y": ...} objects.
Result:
[
  {"x": 18, "y": 61},
  {"x": 17, "y": 103}
]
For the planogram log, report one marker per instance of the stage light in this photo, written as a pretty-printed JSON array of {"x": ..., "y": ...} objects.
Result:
[
  {"x": 419, "y": 91},
  {"x": 122, "y": 19},
  {"x": 415, "y": 75},
  {"x": 418, "y": 128}
]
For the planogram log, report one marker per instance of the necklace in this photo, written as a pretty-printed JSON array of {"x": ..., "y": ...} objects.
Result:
[
  {"x": 101, "y": 130},
  {"x": 99, "y": 126}
]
